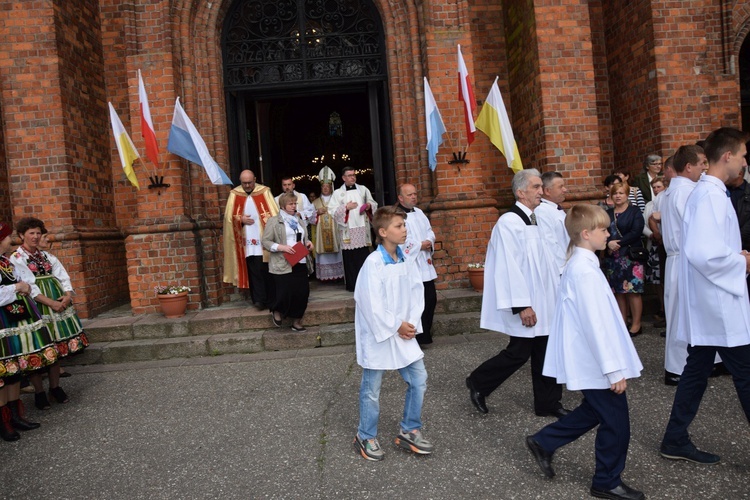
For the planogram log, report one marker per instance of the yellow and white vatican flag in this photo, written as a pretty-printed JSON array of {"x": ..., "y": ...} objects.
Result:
[
  {"x": 125, "y": 147},
  {"x": 493, "y": 121}
]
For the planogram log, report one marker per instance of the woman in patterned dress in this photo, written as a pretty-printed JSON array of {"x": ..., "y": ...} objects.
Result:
[
  {"x": 625, "y": 275},
  {"x": 26, "y": 346},
  {"x": 51, "y": 289}
]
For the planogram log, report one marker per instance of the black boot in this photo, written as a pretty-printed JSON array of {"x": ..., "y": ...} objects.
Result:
[
  {"x": 18, "y": 417},
  {"x": 6, "y": 429}
]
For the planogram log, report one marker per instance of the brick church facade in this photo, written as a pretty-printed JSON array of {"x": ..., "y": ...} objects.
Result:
[{"x": 591, "y": 85}]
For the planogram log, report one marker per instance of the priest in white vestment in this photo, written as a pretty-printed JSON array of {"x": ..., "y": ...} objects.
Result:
[
  {"x": 329, "y": 265},
  {"x": 713, "y": 298},
  {"x": 352, "y": 206},
  {"x": 520, "y": 288}
]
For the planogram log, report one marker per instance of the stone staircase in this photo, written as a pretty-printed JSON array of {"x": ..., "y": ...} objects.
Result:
[{"x": 238, "y": 328}]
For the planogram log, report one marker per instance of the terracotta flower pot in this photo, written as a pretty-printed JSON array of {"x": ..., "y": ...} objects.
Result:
[
  {"x": 476, "y": 278},
  {"x": 173, "y": 305}
]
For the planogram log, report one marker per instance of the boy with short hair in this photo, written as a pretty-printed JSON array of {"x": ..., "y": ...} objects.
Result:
[
  {"x": 390, "y": 299},
  {"x": 590, "y": 350}
]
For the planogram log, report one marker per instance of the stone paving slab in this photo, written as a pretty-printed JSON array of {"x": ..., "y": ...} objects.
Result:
[{"x": 281, "y": 424}]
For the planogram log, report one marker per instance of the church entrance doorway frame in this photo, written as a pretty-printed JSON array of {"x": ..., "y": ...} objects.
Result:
[{"x": 283, "y": 49}]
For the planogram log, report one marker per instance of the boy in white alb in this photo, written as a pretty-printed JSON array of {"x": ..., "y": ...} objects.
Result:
[
  {"x": 390, "y": 300},
  {"x": 590, "y": 350}
]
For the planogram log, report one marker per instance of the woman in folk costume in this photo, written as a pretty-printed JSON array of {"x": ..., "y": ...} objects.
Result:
[
  {"x": 329, "y": 265},
  {"x": 26, "y": 347},
  {"x": 51, "y": 289}
]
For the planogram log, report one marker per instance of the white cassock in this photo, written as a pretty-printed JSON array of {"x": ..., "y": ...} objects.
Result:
[
  {"x": 589, "y": 345},
  {"x": 520, "y": 270},
  {"x": 355, "y": 230},
  {"x": 386, "y": 295},
  {"x": 304, "y": 208},
  {"x": 552, "y": 222},
  {"x": 672, "y": 208},
  {"x": 713, "y": 301},
  {"x": 418, "y": 229}
]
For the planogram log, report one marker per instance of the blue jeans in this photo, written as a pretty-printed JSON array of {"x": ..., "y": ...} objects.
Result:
[{"x": 415, "y": 377}]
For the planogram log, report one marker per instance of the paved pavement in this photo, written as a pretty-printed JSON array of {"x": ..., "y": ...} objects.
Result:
[{"x": 281, "y": 424}]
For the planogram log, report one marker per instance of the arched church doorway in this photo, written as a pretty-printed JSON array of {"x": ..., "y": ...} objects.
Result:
[{"x": 305, "y": 85}]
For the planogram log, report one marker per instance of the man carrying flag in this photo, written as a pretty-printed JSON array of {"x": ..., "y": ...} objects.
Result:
[
  {"x": 493, "y": 121},
  {"x": 125, "y": 147},
  {"x": 249, "y": 206},
  {"x": 435, "y": 125}
]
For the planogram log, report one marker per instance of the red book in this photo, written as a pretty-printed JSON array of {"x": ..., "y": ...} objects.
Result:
[{"x": 300, "y": 252}]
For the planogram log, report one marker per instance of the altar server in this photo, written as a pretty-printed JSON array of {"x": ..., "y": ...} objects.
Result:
[
  {"x": 713, "y": 298},
  {"x": 419, "y": 246},
  {"x": 521, "y": 279},
  {"x": 390, "y": 301},
  {"x": 689, "y": 162},
  {"x": 552, "y": 216},
  {"x": 590, "y": 350}
]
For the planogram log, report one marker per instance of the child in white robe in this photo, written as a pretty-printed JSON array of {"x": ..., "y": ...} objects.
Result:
[
  {"x": 590, "y": 350},
  {"x": 390, "y": 299}
]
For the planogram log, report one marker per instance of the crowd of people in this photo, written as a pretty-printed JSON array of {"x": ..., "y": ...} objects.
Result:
[
  {"x": 39, "y": 324},
  {"x": 571, "y": 321},
  {"x": 565, "y": 287}
]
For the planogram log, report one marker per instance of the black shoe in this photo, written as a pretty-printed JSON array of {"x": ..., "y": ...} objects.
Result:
[
  {"x": 40, "y": 401},
  {"x": 299, "y": 329},
  {"x": 476, "y": 397},
  {"x": 542, "y": 457},
  {"x": 689, "y": 453},
  {"x": 276, "y": 322},
  {"x": 65, "y": 374},
  {"x": 671, "y": 378},
  {"x": 663, "y": 335},
  {"x": 622, "y": 491},
  {"x": 58, "y": 394},
  {"x": 7, "y": 433},
  {"x": 718, "y": 370},
  {"x": 635, "y": 333},
  {"x": 18, "y": 417},
  {"x": 557, "y": 412}
]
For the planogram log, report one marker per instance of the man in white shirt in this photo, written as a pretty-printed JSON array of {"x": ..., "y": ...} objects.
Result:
[
  {"x": 713, "y": 298},
  {"x": 551, "y": 216},
  {"x": 419, "y": 246},
  {"x": 520, "y": 291}
]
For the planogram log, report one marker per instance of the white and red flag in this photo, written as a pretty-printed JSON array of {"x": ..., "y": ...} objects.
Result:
[
  {"x": 466, "y": 95},
  {"x": 147, "y": 126}
]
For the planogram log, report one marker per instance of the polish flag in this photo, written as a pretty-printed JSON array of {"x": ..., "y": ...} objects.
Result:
[
  {"x": 147, "y": 126},
  {"x": 466, "y": 95}
]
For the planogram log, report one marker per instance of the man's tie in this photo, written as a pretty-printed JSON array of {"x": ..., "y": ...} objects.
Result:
[{"x": 533, "y": 219}]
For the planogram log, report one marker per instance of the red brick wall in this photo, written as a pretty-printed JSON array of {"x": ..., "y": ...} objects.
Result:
[{"x": 601, "y": 81}]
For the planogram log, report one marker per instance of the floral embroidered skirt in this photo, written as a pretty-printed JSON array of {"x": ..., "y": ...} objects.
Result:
[
  {"x": 624, "y": 275},
  {"x": 25, "y": 343},
  {"x": 65, "y": 327}
]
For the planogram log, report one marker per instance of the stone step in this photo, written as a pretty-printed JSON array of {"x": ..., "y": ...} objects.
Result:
[{"x": 239, "y": 330}]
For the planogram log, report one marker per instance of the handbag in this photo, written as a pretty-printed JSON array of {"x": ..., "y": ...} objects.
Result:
[{"x": 637, "y": 254}]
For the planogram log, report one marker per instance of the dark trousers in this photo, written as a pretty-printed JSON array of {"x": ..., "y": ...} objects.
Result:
[
  {"x": 292, "y": 292},
  {"x": 694, "y": 380},
  {"x": 493, "y": 372},
  {"x": 609, "y": 411},
  {"x": 262, "y": 289},
  {"x": 353, "y": 262},
  {"x": 430, "y": 301}
]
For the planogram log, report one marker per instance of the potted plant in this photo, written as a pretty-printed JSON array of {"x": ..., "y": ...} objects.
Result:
[
  {"x": 173, "y": 300},
  {"x": 476, "y": 275}
]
